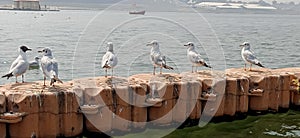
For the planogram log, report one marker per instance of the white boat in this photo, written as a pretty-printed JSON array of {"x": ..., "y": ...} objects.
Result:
[{"x": 137, "y": 12}]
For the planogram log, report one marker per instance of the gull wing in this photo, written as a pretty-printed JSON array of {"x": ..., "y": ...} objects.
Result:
[
  {"x": 109, "y": 60},
  {"x": 195, "y": 57},
  {"x": 54, "y": 66},
  {"x": 14, "y": 64},
  {"x": 156, "y": 58},
  {"x": 19, "y": 68},
  {"x": 250, "y": 57},
  {"x": 49, "y": 67},
  {"x": 105, "y": 60}
]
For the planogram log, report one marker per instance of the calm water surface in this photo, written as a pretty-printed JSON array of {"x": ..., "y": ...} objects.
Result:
[{"x": 77, "y": 39}]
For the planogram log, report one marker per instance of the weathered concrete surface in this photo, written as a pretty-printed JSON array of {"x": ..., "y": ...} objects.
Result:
[
  {"x": 127, "y": 104},
  {"x": 48, "y": 112}
]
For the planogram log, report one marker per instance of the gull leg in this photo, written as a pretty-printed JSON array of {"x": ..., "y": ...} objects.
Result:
[
  {"x": 112, "y": 72},
  {"x": 160, "y": 70},
  {"x": 105, "y": 72},
  {"x": 52, "y": 82},
  {"x": 44, "y": 81},
  {"x": 196, "y": 69},
  {"x": 250, "y": 67},
  {"x": 245, "y": 67},
  {"x": 153, "y": 70},
  {"x": 23, "y": 78}
]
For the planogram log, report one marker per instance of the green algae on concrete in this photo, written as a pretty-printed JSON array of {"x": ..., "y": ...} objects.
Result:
[{"x": 261, "y": 126}]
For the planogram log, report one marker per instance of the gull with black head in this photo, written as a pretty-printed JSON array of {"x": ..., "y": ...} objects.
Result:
[{"x": 20, "y": 65}]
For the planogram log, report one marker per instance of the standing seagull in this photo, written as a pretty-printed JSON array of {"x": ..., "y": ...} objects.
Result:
[
  {"x": 109, "y": 59},
  {"x": 195, "y": 57},
  {"x": 49, "y": 66},
  {"x": 248, "y": 56},
  {"x": 158, "y": 60},
  {"x": 20, "y": 65}
]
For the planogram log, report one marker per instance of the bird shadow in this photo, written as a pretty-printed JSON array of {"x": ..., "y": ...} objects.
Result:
[
  {"x": 256, "y": 70},
  {"x": 259, "y": 71},
  {"x": 21, "y": 84}
]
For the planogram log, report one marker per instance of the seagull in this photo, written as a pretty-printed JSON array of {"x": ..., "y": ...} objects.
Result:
[
  {"x": 49, "y": 66},
  {"x": 158, "y": 60},
  {"x": 195, "y": 57},
  {"x": 34, "y": 64},
  {"x": 20, "y": 65},
  {"x": 109, "y": 59},
  {"x": 248, "y": 56}
]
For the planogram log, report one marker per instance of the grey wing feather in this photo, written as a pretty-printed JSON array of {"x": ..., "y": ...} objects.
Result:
[
  {"x": 113, "y": 60},
  {"x": 19, "y": 68},
  {"x": 152, "y": 58},
  {"x": 54, "y": 68},
  {"x": 109, "y": 60},
  {"x": 195, "y": 57},
  {"x": 49, "y": 67},
  {"x": 250, "y": 57},
  {"x": 16, "y": 61},
  {"x": 163, "y": 60},
  {"x": 156, "y": 58},
  {"x": 105, "y": 59},
  {"x": 14, "y": 64}
]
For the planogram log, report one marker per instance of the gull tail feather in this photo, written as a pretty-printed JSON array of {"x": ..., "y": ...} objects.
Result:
[
  {"x": 8, "y": 75},
  {"x": 55, "y": 79},
  {"x": 206, "y": 65},
  {"x": 168, "y": 67},
  {"x": 259, "y": 64},
  {"x": 105, "y": 65}
]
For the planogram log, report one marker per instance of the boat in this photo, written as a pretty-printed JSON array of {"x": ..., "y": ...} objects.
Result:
[{"x": 137, "y": 12}]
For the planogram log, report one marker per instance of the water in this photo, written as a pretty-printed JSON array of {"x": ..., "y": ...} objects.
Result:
[{"x": 79, "y": 36}]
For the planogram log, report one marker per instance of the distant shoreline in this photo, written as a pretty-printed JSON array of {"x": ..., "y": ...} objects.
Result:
[{"x": 100, "y": 7}]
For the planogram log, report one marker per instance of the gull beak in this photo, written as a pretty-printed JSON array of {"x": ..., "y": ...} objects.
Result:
[
  {"x": 40, "y": 51},
  {"x": 29, "y": 49},
  {"x": 186, "y": 45},
  {"x": 149, "y": 44},
  {"x": 241, "y": 45}
]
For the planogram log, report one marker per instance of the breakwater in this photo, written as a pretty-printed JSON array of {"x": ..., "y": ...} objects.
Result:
[{"x": 127, "y": 104}]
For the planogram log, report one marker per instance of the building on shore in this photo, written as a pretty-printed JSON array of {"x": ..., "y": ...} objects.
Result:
[
  {"x": 26, "y": 5},
  {"x": 233, "y": 6}
]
